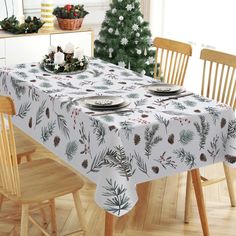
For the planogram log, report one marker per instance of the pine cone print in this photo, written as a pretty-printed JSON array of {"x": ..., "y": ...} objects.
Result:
[
  {"x": 203, "y": 157},
  {"x": 112, "y": 127},
  {"x": 223, "y": 123},
  {"x": 144, "y": 116},
  {"x": 30, "y": 122},
  {"x": 136, "y": 139},
  {"x": 56, "y": 141},
  {"x": 171, "y": 139},
  {"x": 148, "y": 96},
  {"x": 47, "y": 113},
  {"x": 33, "y": 80},
  {"x": 197, "y": 111},
  {"x": 150, "y": 107},
  {"x": 85, "y": 164},
  {"x": 230, "y": 159},
  {"x": 155, "y": 169}
]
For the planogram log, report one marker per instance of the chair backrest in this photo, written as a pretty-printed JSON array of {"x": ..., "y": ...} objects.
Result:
[
  {"x": 9, "y": 174},
  {"x": 173, "y": 57},
  {"x": 219, "y": 80}
]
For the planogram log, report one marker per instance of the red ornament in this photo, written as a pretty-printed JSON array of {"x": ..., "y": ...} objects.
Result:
[{"x": 68, "y": 7}]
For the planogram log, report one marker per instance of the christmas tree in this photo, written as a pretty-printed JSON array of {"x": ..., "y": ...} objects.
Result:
[{"x": 125, "y": 38}]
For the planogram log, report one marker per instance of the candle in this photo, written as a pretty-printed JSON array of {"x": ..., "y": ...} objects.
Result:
[
  {"x": 79, "y": 53},
  {"x": 59, "y": 58},
  {"x": 69, "y": 48}
]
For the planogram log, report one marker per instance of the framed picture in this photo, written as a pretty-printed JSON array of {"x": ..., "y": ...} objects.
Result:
[{"x": 11, "y": 7}]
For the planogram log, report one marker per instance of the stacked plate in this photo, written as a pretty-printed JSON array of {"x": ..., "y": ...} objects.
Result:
[
  {"x": 104, "y": 103},
  {"x": 165, "y": 89}
]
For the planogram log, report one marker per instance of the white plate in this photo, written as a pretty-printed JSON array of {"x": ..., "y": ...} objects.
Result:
[
  {"x": 103, "y": 101},
  {"x": 164, "y": 88}
]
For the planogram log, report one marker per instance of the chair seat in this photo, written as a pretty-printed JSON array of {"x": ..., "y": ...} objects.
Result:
[{"x": 46, "y": 179}]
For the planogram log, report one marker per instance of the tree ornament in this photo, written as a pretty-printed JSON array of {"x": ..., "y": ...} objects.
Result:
[
  {"x": 124, "y": 41},
  {"x": 120, "y": 0},
  {"x": 111, "y": 50},
  {"x": 143, "y": 72},
  {"x": 140, "y": 18},
  {"x": 122, "y": 64},
  {"x": 113, "y": 11},
  {"x": 137, "y": 34},
  {"x": 135, "y": 27},
  {"x": 117, "y": 32},
  {"x": 129, "y": 7},
  {"x": 110, "y": 30},
  {"x": 139, "y": 52},
  {"x": 121, "y": 18},
  {"x": 136, "y": 42},
  {"x": 129, "y": 65}
]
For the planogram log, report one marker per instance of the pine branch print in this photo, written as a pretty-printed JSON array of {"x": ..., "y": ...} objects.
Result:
[
  {"x": 141, "y": 163},
  {"x": 178, "y": 106},
  {"x": 186, "y": 157},
  {"x": 71, "y": 150},
  {"x": 201, "y": 99},
  {"x": 98, "y": 130},
  {"x": 140, "y": 102},
  {"x": 48, "y": 131},
  {"x": 151, "y": 139},
  {"x": 19, "y": 89},
  {"x": 214, "y": 113},
  {"x": 127, "y": 127},
  {"x": 185, "y": 136},
  {"x": 117, "y": 201},
  {"x": 163, "y": 121},
  {"x": 214, "y": 151},
  {"x": 23, "y": 110},
  {"x": 98, "y": 161},
  {"x": 203, "y": 130},
  {"x": 62, "y": 124},
  {"x": 118, "y": 159},
  {"x": 232, "y": 129},
  {"x": 40, "y": 112}
]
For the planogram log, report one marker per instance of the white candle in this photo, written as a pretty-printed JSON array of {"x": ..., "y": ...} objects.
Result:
[
  {"x": 79, "y": 53},
  {"x": 51, "y": 49},
  {"x": 69, "y": 48},
  {"x": 59, "y": 58}
]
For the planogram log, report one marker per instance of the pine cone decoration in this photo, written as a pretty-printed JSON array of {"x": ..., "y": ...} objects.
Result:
[
  {"x": 223, "y": 123},
  {"x": 203, "y": 157},
  {"x": 197, "y": 111},
  {"x": 144, "y": 116},
  {"x": 155, "y": 169},
  {"x": 30, "y": 122},
  {"x": 48, "y": 113},
  {"x": 136, "y": 139},
  {"x": 112, "y": 127},
  {"x": 85, "y": 164},
  {"x": 171, "y": 139},
  {"x": 56, "y": 141}
]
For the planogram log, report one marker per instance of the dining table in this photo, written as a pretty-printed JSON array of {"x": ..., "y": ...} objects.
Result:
[{"x": 151, "y": 136}]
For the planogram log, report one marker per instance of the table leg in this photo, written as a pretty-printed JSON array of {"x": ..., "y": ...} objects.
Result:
[
  {"x": 200, "y": 201},
  {"x": 109, "y": 224}
]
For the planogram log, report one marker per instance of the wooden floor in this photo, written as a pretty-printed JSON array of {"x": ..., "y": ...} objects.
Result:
[{"x": 158, "y": 213}]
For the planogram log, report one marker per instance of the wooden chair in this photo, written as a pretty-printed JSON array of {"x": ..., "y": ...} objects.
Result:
[
  {"x": 173, "y": 57},
  {"x": 33, "y": 182},
  {"x": 218, "y": 83}
]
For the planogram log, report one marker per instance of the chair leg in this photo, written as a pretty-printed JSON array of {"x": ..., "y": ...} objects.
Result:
[
  {"x": 200, "y": 201},
  {"x": 24, "y": 220},
  {"x": 1, "y": 200},
  {"x": 53, "y": 217},
  {"x": 229, "y": 181},
  {"x": 28, "y": 158},
  {"x": 79, "y": 210},
  {"x": 44, "y": 217},
  {"x": 188, "y": 198},
  {"x": 109, "y": 222}
]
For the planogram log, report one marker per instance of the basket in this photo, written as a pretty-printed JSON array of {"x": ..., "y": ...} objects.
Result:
[{"x": 70, "y": 24}]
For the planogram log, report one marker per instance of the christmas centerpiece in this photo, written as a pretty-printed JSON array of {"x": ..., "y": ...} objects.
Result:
[
  {"x": 68, "y": 61},
  {"x": 30, "y": 25},
  {"x": 125, "y": 38},
  {"x": 70, "y": 17}
]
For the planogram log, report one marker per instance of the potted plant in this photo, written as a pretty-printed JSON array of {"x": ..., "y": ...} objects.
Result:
[{"x": 70, "y": 17}]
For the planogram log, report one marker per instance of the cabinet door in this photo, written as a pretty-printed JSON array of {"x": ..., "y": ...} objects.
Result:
[
  {"x": 2, "y": 62},
  {"x": 2, "y": 48},
  {"x": 26, "y": 49},
  {"x": 80, "y": 39}
]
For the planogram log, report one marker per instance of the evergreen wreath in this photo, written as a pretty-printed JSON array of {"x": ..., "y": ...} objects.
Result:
[
  {"x": 12, "y": 25},
  {"x": 70, "y": 64}
]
